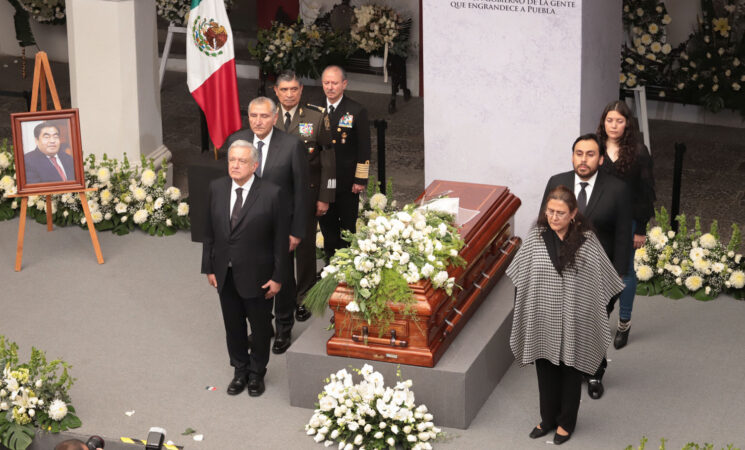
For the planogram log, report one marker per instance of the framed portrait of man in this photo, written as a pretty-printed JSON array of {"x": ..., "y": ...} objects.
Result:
[{"x": 48, "y": 154}]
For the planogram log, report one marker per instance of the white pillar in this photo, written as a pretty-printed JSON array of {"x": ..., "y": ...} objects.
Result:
[
  {"x": 509, "y": 85},
  {"x": 114, "y": 77}
]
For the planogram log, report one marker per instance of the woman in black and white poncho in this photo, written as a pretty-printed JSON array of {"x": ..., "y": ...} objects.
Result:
[{"x": 563, "y": 282}]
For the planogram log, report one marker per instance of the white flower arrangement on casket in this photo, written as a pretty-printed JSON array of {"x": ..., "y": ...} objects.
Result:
[
  {"x": 370, "y": 414},
  {"x": 387, "y": 253}
]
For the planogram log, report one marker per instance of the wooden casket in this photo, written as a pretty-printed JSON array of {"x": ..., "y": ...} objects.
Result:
[{"x": 421, "y": 337}]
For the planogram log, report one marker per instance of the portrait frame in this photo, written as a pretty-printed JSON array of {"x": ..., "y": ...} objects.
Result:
[{"x": 35, "y": 174}]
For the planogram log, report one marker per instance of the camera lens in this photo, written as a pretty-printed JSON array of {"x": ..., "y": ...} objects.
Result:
[{"x": 95, "y": 442}]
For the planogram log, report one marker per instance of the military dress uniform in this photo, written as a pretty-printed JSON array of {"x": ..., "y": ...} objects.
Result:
[
  {"x": 312, "y": 126},
  {"x": 350, "y": 137}
]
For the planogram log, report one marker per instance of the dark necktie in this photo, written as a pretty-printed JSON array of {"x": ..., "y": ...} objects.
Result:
[
  {"x": 236, "y": 207},
  {"x": 582, "y": 197},
  {"x": 288, "y": 119},
  {"x": 331, "y": 110},
  {"x": 259, "y": 147}
]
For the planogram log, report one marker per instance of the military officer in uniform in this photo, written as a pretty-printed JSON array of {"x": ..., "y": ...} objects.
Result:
[
  {"x": 312, "y": 126},
  {"x": 350, "y": 136}
]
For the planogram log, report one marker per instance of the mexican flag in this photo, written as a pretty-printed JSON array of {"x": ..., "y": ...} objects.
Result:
[{"x": 210, "y": 68}]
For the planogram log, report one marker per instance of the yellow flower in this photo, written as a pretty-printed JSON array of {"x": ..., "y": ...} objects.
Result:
[
  {"x": 651, "y": 57},
  {"x": 646, "y": 39},
  {"x": 653, "y": 28},
  {"x": 722, "y": 26},
  {"x": 656, "y": 47},
  {"x": 666, "y": 49},
  {"x": 622, "y": 78},
  {"x": 666, "y": 19}
]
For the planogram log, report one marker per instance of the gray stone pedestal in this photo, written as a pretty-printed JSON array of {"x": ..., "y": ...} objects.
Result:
[{"x": 454, "y": 390}]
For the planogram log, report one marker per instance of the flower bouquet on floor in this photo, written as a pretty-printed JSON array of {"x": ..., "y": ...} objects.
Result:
[
  {"x": 689, "y": 263},
  {"x": 33, "y": 395},
  {"x": 369, "y": 414}
]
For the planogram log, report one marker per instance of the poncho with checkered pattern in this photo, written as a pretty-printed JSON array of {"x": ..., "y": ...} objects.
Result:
[{"x": 562, "y": 318}]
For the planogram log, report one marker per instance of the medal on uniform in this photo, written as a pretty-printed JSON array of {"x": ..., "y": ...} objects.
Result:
[
  {"x": 344, "y": 137},
  {"x": 346, "y": 121},
  {"x": 326, "y": 122},
  {"x": 306, "y": 130},
  {"x": 311, "y": 150}
]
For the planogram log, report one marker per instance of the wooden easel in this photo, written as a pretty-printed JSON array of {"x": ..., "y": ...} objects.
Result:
[{"x": 42, "y": 79}]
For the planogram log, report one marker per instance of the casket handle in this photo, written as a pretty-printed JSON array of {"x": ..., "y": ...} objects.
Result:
[{"x": 393, "y": 342}]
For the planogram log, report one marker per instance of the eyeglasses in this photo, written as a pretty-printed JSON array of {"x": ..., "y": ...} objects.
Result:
[
  {"x": 242, "y": 162},
  {"x": 557, "y": 214}
]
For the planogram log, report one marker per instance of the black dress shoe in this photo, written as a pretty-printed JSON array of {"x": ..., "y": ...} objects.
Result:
[
  {"x": 622, "y": 337},
  {"x": 595, "y": 388},
  {"x": 255, "y": 385},
  {"x": 559, "y": 439},
  {"x": 282, "y": 343},
  {"x": 237, "y": 385},
  {"x": 301, "y": 313},
  {"x": 539, "y": 432}
]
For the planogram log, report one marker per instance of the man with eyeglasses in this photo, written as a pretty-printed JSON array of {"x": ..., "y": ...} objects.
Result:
[
  {"x": 605, "y": 201},
  {"x": 282, "y": 161},
  {"x": 243, "y": 255}
]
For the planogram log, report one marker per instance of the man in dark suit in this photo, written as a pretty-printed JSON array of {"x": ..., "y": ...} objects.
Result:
[
  {"x": 244, "y": 251},
  {"x": 282, "y": 161},
  {"x": 312, "y": 126},
  {"x": 46, "y": 163},
  {"x": 606, "y": 203},
  {"x": 351, "y": 140}
]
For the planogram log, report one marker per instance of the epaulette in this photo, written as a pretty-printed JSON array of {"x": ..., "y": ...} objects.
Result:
[{"x": 320, "y": 109}]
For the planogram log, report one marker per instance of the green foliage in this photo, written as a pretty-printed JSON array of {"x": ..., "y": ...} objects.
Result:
[
  {"x": 662, "y": 217},
  {"x": 697, "y": 233},
  {"x": 317, "y": 298},
  {"x": 688, "y": 446},
  {"x": 714, "y": 229},
  {"x": 682, "y": 226},
  {"x": 734, "y": 240}
]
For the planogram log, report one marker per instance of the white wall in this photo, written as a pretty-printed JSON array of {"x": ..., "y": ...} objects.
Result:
[{"x": 508, "y": 92}]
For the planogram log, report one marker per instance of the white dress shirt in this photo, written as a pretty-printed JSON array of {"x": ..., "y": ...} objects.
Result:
[
  {"x": 265, "y": 148},
  {"x": 246, "y": 187},
  {"x": 284, "y": 111},
  {"x": 588, "y": 189},
  {"x": 335, "y": 105}
]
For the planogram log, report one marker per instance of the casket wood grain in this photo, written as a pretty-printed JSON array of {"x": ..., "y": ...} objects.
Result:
[{"x": 421, "y": 336}]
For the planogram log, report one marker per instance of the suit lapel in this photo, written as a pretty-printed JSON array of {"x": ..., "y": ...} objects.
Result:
[
  {"x": 275, "y": 146},
  {"x": 228, "y": 185},
  {"x": 597, "y": 192},
  {"x": 253, "y": 194}
]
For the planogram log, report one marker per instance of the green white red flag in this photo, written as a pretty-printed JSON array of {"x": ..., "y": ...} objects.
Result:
[{"x": 210, "y": 68}]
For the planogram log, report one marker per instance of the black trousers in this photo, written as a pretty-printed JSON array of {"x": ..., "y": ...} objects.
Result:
[
  {"x": 284, "y": 301},
  {"x": 235, "y": 311},
  {"x": 342, "y": 215},
  {"x": 559, "y": 388},
  {"x": 305, "y": 253}
]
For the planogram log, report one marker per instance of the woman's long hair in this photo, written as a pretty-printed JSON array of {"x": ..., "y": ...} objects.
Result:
[
  {"x": 630, "y": 141},
  {"x": 575, "y": 235}
]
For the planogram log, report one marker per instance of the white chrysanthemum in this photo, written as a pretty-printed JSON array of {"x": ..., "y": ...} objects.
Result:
[
  {"x": 148, "y": 177},
  {"x": 173, "y": 193},
  {"x": 640, "y": 255},
  {"x": 737, "y": 279},
  {"x": 183, "y": 209},
  {"x": 701, "y": 264},
  {"x": 6, "y": 183},
  {"x": 158, "y": 203},
  {"x": 139, "y": 194},
  {"x": 140, "y": 216},
  {"x": 169, "y": 223},
  {"x": 708, "y": 241},
  {"x": 644, "y": 272},
  {"x": 353, "y": 306},
  {"x": 378, "y": 201},
  {"x": 106, "y": 196},
  {"x": 103, "y": 175},
  {"x": 441, "y": 278},
  {"x": 657, "y": 236},
  {"x": 120, "y": 208},
  {"x": 4, "y": 161},
  {"x": 96, "y": 216},
  {"x": 694, "y": 283},
  {"x": 696, "y": 253},
  {"x": 57, "y": 410}
]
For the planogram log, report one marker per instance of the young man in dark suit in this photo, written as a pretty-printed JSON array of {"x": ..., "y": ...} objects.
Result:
[
  {"x": 46, "y": 163},
  {"x": 312, "y": 127},
  {"x": 351, "y": 141},
  {"x": 244, "y": 251},
  {"x": 605, "y": 201},
  {"x": 282, "y": 161}
]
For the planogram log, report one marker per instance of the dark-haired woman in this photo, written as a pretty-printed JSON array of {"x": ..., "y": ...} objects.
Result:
[
  {"x": 563, "y": 282},
  {"x": 628, "y": 159}
]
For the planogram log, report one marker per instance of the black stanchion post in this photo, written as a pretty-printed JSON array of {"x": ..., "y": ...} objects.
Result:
[
  {"x": 381, "y": 125},
  {"x": 677, "y": 176},
  {"x": 205, "y": 131}
]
